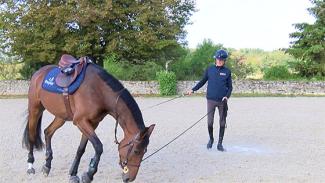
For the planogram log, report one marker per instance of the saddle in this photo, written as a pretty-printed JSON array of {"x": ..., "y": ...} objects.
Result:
[{"x": 70, "y": 69}]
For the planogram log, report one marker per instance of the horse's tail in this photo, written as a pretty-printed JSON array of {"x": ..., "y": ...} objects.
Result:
[{"x": 38, "y": 143}]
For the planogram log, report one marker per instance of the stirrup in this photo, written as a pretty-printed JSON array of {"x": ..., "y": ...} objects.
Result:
[{"x": 67, "y": 71}]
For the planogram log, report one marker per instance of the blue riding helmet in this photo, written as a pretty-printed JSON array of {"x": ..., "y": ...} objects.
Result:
[{"x": 221, "y": 55}]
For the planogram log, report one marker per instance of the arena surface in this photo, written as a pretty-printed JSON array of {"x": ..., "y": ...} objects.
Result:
[{"x": 268, "y": 139}]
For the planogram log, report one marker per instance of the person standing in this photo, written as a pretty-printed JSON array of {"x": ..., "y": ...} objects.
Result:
[{"x": 218, "y": 92}]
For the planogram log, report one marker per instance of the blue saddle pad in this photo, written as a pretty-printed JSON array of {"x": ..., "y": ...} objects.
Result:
[{"x": 50, "y": 85}]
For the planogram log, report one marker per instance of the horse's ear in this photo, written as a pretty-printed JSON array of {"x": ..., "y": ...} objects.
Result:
[{"x": 150, "y": 129}]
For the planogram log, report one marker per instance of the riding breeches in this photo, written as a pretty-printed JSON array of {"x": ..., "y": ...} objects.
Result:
[{"x": 211, "y": 107}]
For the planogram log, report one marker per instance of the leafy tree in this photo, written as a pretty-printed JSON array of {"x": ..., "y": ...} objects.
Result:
[
  {"x": 136, "y": 31},
  {"x": 237, "y": 63},
  {"x": 9, "y": 71},
  {"x": 203, "y": 56},
  {"x": 309, "y": 43},
  {"x": 124, "y": 71},
  {"x": 197, "y": 61},
  {"x": 182, "y": 66},
  {"x": 193, "y": 65}
]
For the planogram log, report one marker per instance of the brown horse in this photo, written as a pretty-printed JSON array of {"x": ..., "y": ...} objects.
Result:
[{"x": 99, "y": 94}]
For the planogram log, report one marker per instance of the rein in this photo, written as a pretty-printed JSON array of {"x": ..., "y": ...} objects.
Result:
[
  {"x": 117, "y": 99},
  {"x": 178, "y": 96},
  {"x": 176, "y": 136},
  {"x": 131, "y": 143},
  {"x": 117, "y": 115}
]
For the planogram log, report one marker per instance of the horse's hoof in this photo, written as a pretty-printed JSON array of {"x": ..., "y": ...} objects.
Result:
[
  {"x": 45, "y": 170},
  {"x": 74, "y": 179},
  {"x": 31, "y": 171},
  {"x": 85, "y": 178}
]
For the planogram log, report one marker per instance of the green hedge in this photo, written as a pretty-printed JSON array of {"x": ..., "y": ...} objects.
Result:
[
  {"x": 278, "y": 72},
  {"x": 167, "y": 83}
]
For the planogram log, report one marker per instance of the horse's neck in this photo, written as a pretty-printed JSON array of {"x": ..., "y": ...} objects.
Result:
[
  {"x": 118, "y": 109},
  {"x": 123, "y": 115},
  {"x": 128, "y": 124}
]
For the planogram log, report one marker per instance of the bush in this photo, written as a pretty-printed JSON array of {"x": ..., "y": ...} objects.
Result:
[
  {"x": 183, "y": 69},
  {"x": 10, "y": 71},
  {"x": 278, "y": 72},
  {"x": 126, "y": 71},
  {"x": 239, "y": 69},
  {"x": 308, "y": 69},
  {"x": 167, "y": 83}
]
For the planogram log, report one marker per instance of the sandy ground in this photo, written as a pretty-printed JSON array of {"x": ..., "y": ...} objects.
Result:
[{"x": 267, "y": 140}]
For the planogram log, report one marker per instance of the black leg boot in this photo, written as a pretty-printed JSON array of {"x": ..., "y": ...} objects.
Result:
[
  {"x": 210, "y": 129},
  {"x": 221, "y": 134}
]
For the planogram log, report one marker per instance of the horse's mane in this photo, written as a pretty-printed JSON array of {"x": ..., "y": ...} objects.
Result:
[{"x": 125, "y": 95}]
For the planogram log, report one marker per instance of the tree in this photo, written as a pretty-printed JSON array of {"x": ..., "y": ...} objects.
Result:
[
  {"x": 238, "y": 64},
  {"x": 136, "y": 31},
  {"x": 309, "y": 43},
  {"x": 203, "y": 56}
]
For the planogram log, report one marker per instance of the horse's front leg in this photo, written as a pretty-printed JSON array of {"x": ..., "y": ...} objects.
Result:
[
  {"x": 48, "y": 132},
  {"x": 74, "y": 168},
  {"x": 89, "y": 131}
]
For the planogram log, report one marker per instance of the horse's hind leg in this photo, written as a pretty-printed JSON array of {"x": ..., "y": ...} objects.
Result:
[
  {"x": 48, "y": 132},
  {"x": 32, "y": 134},
  {"x": 74, "y": 168},
  {"x": 88, "y": 130}
]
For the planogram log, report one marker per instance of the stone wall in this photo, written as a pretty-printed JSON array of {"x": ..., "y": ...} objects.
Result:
[
  {"x": 20, "y": 87},
  {"x": 14, "y": 87}
]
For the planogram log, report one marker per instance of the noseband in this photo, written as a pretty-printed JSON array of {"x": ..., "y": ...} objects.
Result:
[{"x": 130, "y": 146}]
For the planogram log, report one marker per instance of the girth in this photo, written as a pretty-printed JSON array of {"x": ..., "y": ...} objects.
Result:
[
  {"x": 66, "y": 100},
  {"x": 66, "y": 79}
]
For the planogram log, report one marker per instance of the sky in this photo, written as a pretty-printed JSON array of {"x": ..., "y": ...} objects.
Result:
[{"x": 264, "y": 24}]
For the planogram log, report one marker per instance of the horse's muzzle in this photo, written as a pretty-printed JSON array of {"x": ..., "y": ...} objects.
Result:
[{"x": 125, "y": 177}]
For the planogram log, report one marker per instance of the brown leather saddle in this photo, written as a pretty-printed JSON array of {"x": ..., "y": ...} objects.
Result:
[{"x": 70, "y": 69}]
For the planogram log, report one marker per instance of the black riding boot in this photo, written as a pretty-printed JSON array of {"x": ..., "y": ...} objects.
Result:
[
  {"x": 221, "y": 134},
  {"x": 210, "y": 129}
]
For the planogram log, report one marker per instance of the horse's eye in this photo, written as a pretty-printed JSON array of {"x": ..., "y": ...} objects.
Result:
[{"x": 137, "y": 152}]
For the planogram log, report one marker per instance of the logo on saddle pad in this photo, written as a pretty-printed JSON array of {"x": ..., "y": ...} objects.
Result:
[{"x": 49, "y": 81}]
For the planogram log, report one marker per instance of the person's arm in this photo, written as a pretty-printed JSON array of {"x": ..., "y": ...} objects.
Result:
[
  {"x": 229, "y": 85},
  {"x": 202, "y": 82}
]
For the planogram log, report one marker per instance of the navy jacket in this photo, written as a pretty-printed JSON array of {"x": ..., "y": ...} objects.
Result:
[{"x": 219, "y": 83}]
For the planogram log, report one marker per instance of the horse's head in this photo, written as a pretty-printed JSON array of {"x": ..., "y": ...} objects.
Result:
[{"x": 131, "y": 151}]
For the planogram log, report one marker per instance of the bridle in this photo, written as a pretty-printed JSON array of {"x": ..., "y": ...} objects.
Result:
[
  {"x": 124, "y": 164},
  {"x": 130, "y": 146}
]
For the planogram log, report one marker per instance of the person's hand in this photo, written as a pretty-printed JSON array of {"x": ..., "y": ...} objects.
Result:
[
  {"x": 190, "y": 92},
  {"x": 225, "y": 98}
]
